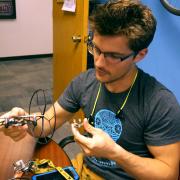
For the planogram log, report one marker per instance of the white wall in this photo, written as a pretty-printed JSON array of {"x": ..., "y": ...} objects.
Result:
[{"x": 30, "y": 33}]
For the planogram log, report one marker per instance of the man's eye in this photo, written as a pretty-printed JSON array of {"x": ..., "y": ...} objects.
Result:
[
  {"x": 97, "y": 50},
  {"x": 115, "y": 56}
]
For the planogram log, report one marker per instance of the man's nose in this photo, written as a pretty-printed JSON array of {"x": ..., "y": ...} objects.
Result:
[{"x": 100, "y": 60}]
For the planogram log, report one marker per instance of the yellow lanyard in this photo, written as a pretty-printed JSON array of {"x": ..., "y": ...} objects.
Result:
[{"x": 123, "y": 104}]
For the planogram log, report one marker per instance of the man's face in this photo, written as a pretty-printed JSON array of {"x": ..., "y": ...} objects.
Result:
[{"x": 110, "y": 69}]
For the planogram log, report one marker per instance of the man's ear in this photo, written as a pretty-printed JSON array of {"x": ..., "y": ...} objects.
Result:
[{"x": 141, "y": 54}]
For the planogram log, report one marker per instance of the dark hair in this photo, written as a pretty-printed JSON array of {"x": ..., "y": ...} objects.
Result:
[{"x": 127, "y": 18}]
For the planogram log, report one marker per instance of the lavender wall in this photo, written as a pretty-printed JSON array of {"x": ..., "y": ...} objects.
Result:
[{"x": 163, "y": 60}]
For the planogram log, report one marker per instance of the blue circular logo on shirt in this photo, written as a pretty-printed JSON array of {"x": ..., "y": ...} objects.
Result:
[{"x": 107, "y": 121}]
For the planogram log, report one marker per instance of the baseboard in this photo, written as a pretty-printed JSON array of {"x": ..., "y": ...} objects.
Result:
[{"x": 25, "y": 57}]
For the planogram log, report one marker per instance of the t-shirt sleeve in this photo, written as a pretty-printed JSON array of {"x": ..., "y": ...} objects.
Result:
[
  {"x": 162, "y": 119},
  {"x": 70, "y": 98}
]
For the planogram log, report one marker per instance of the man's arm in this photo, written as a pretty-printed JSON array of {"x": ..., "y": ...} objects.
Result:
[
  {"x": 163, "y": 165},
  {"x": 17, "y": 133},
  {"x": 54, "y": 112}
]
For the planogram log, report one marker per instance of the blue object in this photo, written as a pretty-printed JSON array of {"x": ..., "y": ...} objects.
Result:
[{"x": 55, "y": 175}]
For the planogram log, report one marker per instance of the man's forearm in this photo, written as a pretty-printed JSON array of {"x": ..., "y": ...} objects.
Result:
[
  {"x": 54, "y": 117},
  {"x": 144, "y": 168},
  {"x": 42, "y": 127}
]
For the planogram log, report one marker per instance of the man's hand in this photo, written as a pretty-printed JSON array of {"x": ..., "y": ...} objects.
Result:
[
  {"x": 15, "y": 132},
  {"x": 99, "y": 145}
]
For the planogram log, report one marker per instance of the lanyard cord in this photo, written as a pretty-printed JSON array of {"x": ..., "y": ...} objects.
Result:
[
  {"x": 125, "y": 101},
  {"x": 123, "y": 104},
  {"x": 97, "y": 97}
]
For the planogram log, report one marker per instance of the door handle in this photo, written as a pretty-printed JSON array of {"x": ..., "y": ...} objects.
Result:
[{"x": 76, "y": 39}]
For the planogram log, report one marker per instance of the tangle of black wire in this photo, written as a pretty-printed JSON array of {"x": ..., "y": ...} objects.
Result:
[{"x": 43, "y": 140}]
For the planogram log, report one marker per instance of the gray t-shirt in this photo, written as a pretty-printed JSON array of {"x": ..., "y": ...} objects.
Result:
[{"x": 151, "y": 116}]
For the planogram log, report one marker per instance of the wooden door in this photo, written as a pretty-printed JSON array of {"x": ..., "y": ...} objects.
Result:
[{"x": 69, "y": 58}]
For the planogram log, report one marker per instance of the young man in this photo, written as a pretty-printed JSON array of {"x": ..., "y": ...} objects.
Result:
[{"x": 133, "y": 119}]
